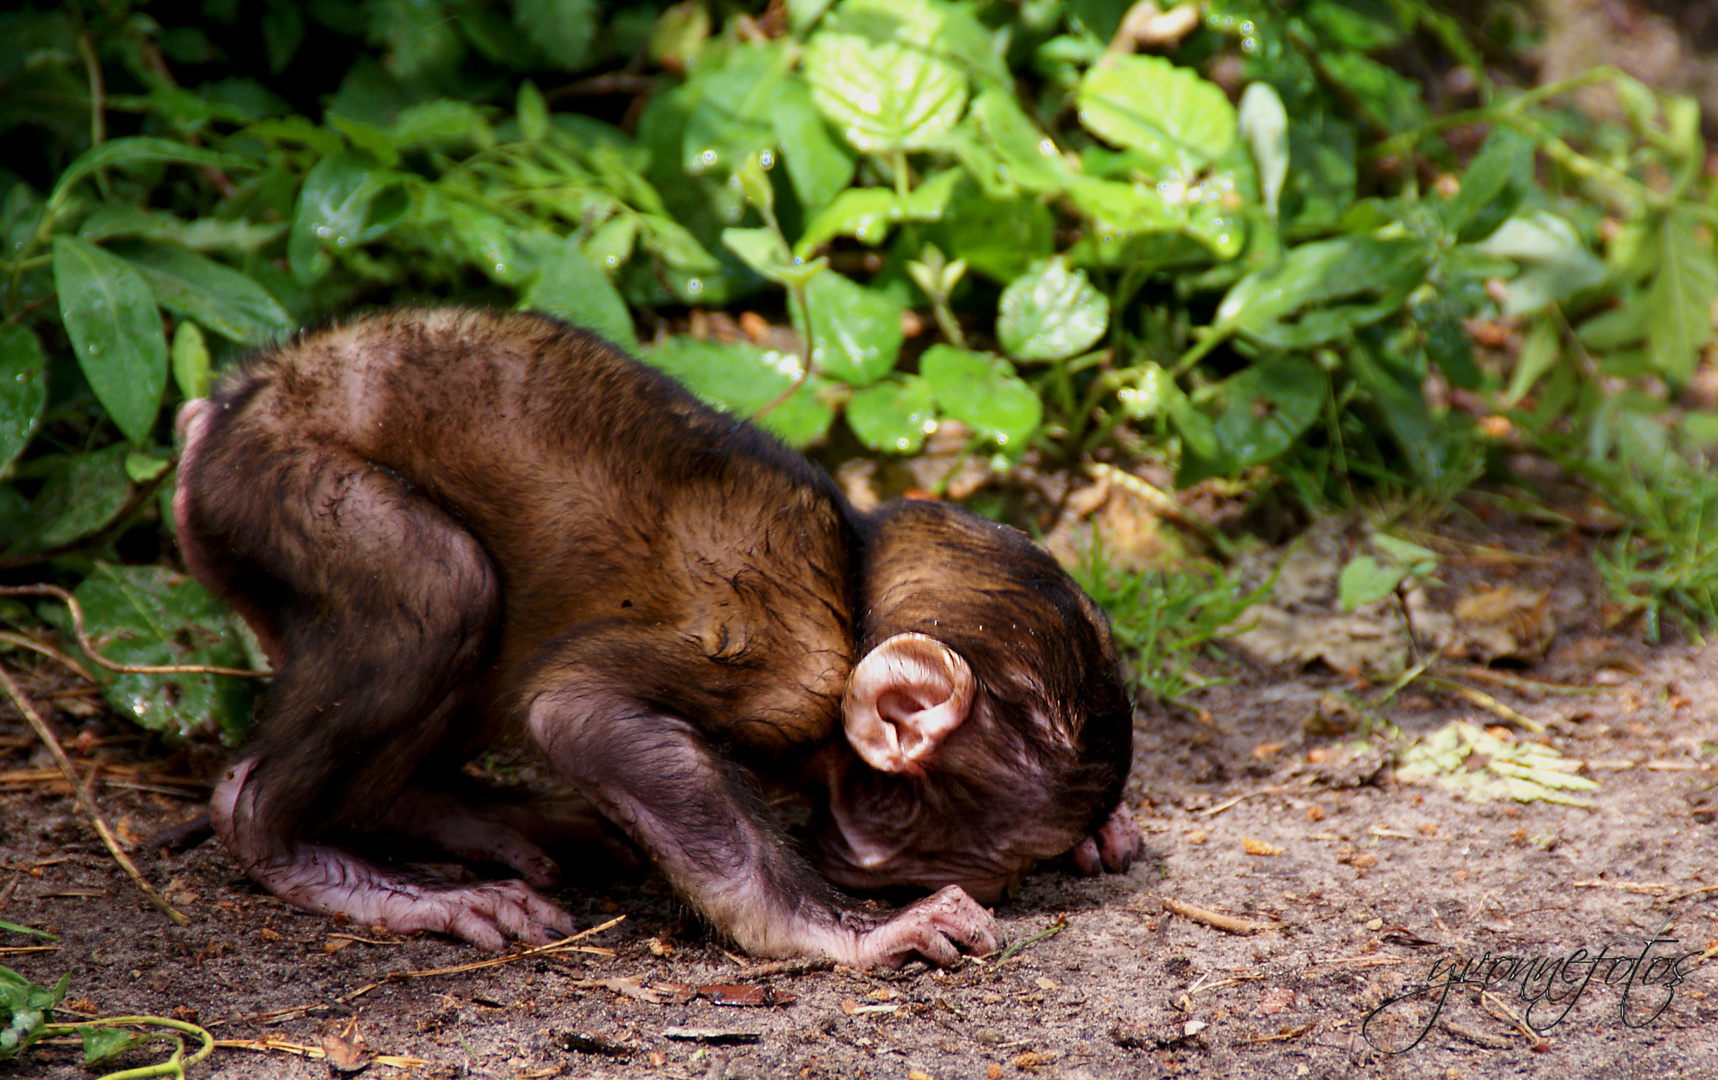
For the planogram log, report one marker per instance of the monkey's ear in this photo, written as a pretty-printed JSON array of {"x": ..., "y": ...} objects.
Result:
[{"x": 903, "y": 700}]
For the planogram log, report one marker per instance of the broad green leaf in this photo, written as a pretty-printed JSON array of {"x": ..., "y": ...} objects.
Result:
[
  {"x": 893, "y": 416},
  {"x": 1266, "y": 408},
  {"x": 999, "y": 238},
  {"x": 23, "y": 389},
  {"x": 150, "y": 615},
  {"x": 1539, "y": 353},
  {"x": 1679, "y": 322},
  {"x": 862, "y": 213},
  {"x": 1026, "y": 156},
  {"x": 1178, "y": 120},
  {"x": 100, "y": 1043},
  {"x": 80, "y": 498},
  {"x": 110, "y": 315},
  {"x": 136, "y": 149},
  {"x": 730, "y": 122},
  {"x": 443, "y": 124},
  {"x": 983, "y": 392},
  {"x": 575, "y": 289},
  {"x": 203, "y": 234},
  {"x": 1322, "y": 173},
  {"x": 419, "y": 36},
  {"x": 217, "y": 296},
  {"x": 1365, "y": 581},
  {"x": 610, "y": 243},
  {"x": 143, "y": 468},
  {"x": 1419, "y": 561},
  {"x": 742, "y": 379},
  {"x": 1323, "y": 291},
  {"x": 1051, "y": 313},
  {"x": 1121, "y": 210},
  {"x": 190, "y": 360},
  {"x": 1264, "y": 124},
  {"x": 762, "y": 251},
  {"x": 333, "y": 212},
  {"x": 1555, "y": 264},
  {"x": 883, "y": 96},
  {"x": 818, "y": 166},
  {"x": 1617, "y": 328},
  {"x": 855, "y": 332},
  {"x": 563, "y": 29}
]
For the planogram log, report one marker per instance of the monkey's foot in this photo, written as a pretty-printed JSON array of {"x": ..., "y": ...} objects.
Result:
[
  {"x": 332, "y": 881},
  {"x": 1113, "y": 847},
  {"x": 933, "y": 928}
]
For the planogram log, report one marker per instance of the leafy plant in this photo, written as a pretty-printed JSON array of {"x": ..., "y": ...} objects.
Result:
[
  {"x": 1118, "y": 253},
  {"x": 1164, "y": 620}
]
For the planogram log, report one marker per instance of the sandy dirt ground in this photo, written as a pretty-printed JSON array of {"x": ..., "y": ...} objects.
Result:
[{"x": 1360, "y": 887}]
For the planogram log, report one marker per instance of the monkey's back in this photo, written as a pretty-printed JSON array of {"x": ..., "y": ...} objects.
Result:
[{"x": 608, "y": 499}]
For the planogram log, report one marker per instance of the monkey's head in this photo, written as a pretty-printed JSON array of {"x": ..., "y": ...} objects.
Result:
[{"x": 988, "y": 725}]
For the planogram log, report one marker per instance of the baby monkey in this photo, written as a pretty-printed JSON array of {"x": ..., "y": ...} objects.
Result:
[{"x": 452, "y": 527}]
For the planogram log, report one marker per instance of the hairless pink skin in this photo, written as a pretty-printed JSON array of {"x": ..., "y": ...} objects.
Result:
[{"x": 1114, "y": 847}]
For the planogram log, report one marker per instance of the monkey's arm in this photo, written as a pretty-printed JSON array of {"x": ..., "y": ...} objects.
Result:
[{"x": 657, "y": 777}]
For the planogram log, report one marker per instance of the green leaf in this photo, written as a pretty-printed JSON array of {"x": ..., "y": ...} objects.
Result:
[
  {"x": 670, "y": 241},
  {"x": 1680, "y": 300},
  {"x": 862, "y": 213},
  {"x": 1492, "y": 187},
  {"x": 533, "y": 112},
  {"x": 1122, "y": 210},
  {"x": 419, "y": 37},
  {"x": 742, "y": 379},
  {"x": 190, "y": 360},
  {"x": 1364, "y": 581},
  {"x": 573, "y": 288},
  {"x": 855, "y": 332},
  {"x": 999, "y": 238},
  {"x": 1394, "y": 99},
  {"x": 731, "y": 121},
  {"x": 1051, "y": 313},
  {"x": 1539, "y": 353},
  {"x": 563, "y": 29},
  {"x": 1264, "y": 125},
  {"x": 23, "y": 389},
  {"x": 983, "y": 392},
  {"x": 149, "y": 615},
  {"x": 893, "y": 416},
  {"x": 883, "y": 96},
  {"x": 80, "y": 498},
  {"x": 1027, "y": 157},
  {"x": 101, "y": 1043},
  {"x": 333, "y": 212},
  {"x": 217, "y": 296},
  {"x": 1179, "y": 121},
  {"x": 1420, "y": 561},
  {"x": 116, "y": 335},
  {"x": 1556, "y": 265},
  {"x": 1402, "y": 407},
  {"x": 818, "y": 166},
  {"x": 1323, "y": 291},
  {"x": 1267, "y": 407},
  {"x": 19, "y": 928},
  {"x": 137, "y": 149},
  {"x": 143, "y": 468}
]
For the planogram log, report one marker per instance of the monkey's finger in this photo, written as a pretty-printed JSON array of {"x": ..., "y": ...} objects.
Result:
[
  {"x": 959, "y": 917},
  {"x": 1088, "y": 861},
  {"x": 1120, "y": 840}
]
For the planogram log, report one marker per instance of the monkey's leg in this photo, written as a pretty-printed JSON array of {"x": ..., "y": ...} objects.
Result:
[
  {"x": 386, "y": 608},
  {"x": 658, "y": 779},
  {"x": 491, "y": 829}
]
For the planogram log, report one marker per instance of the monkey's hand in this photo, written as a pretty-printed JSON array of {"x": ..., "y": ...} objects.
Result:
[
  {"x": 933, "y": 928},
  {"x": 1114, "y": 847}
]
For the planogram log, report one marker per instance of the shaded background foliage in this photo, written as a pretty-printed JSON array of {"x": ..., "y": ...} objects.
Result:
[{"x": 1322, "y": 247}]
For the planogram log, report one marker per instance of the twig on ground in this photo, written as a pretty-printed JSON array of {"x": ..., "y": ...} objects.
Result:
[
  {"x": 84, "y": 801},
  {"x": 1057, "y": 927},
  {"x": 788, "y": 967},
  {"x": 25, "y": 641},
  {"x": 1650, "y": 889},
  {"x": 270, "y": 1044},
  {"x": 1486, "y": 702},
  {"x": 1517, "y": 683},
  {"x": 65, "y": 597},
  {"x": 1215, "y": 919}
]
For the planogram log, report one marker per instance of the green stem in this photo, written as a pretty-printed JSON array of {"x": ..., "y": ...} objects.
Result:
[
  {"x": 175, "y": 1065},
  {"x": 902, "y": 186},
  {"x": 1213, "y": 338}
]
